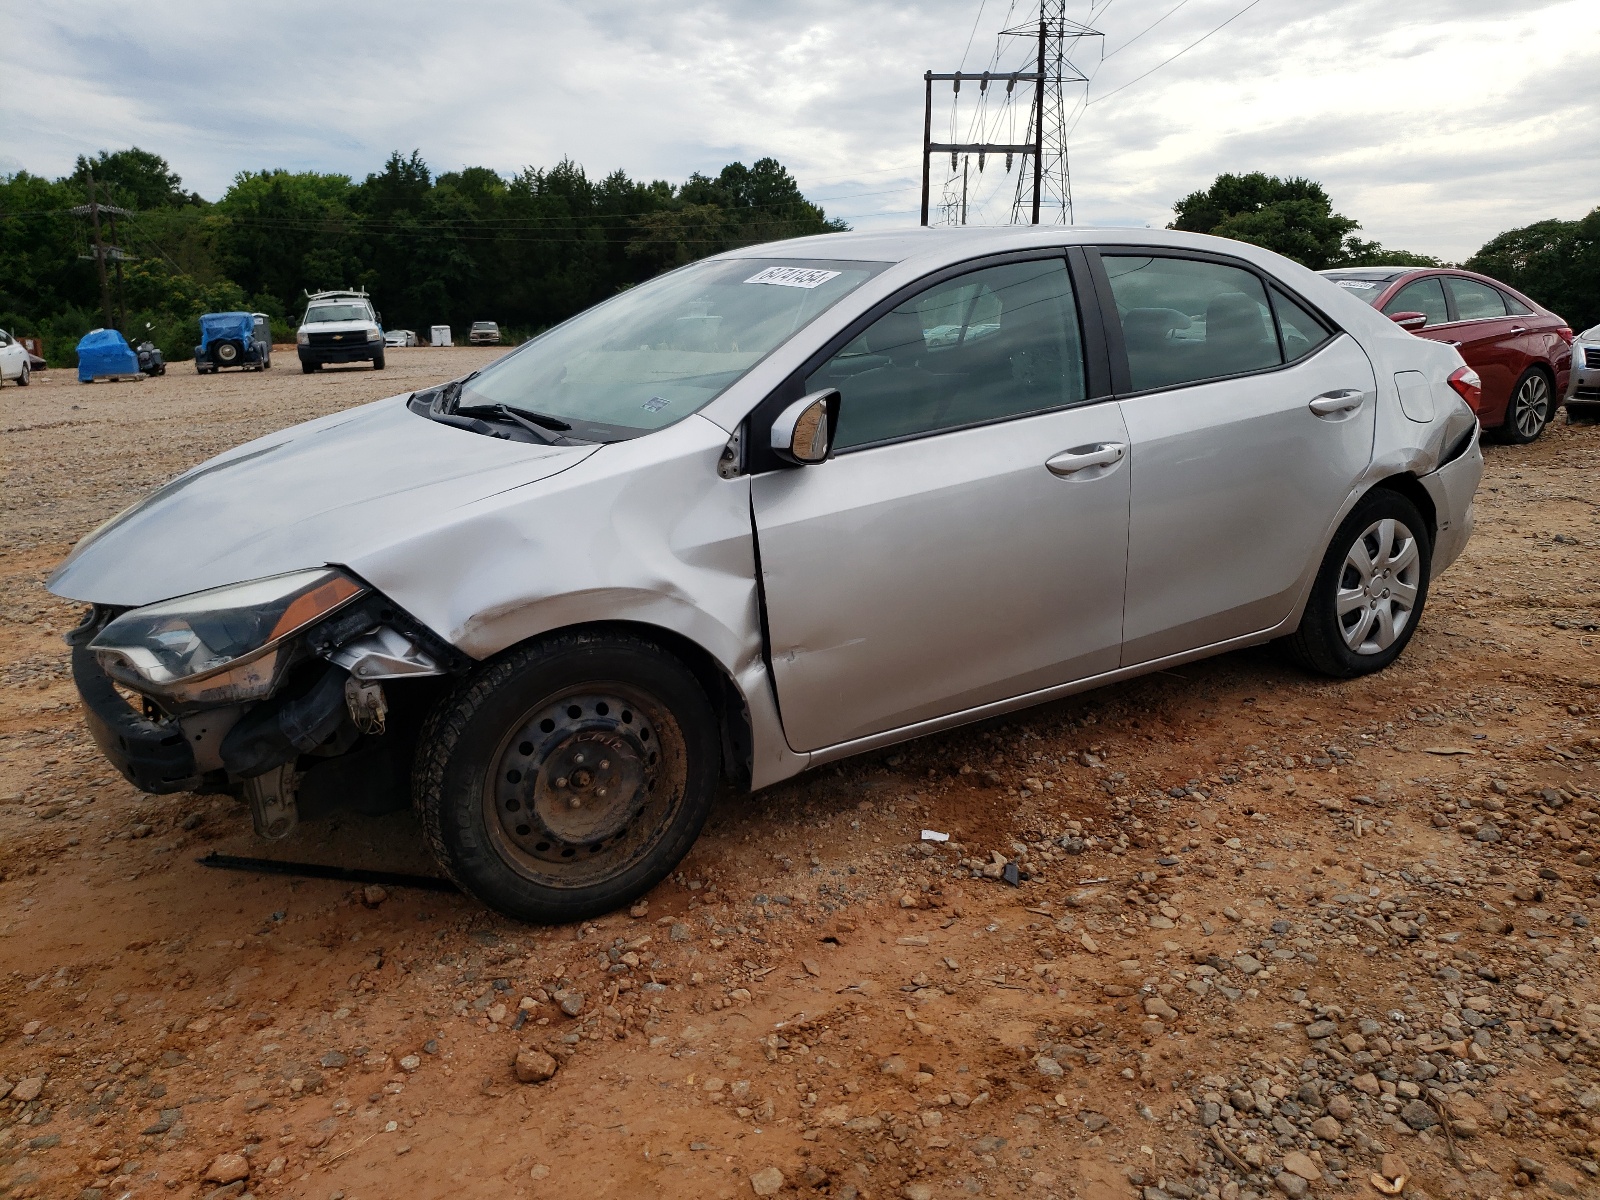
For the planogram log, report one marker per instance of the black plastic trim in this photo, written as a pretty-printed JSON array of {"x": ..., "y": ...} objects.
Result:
[{"x": 153, "y": 757}]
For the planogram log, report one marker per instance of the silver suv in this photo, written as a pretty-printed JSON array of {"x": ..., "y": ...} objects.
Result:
[
  {"x": 767, "y": 511},
  {"x": 484, "y": 333}
]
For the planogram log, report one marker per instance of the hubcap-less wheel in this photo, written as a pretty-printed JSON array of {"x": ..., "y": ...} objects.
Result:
[
  {"x": 585, "y": 785},
  {"x": 1530, "y": 407},
  {"x": 1378, "y": 586}
]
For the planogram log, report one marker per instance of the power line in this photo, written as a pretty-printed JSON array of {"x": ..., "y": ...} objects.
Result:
[
  {"x": 1179, "y": 54},
  {"x": 1145, "y": 30}
]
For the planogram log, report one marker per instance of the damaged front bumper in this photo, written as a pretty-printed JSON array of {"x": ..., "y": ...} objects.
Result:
[{"x": 326, "y": 700}]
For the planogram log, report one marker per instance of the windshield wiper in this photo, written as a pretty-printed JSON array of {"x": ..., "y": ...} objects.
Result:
[
  {"x": 546, "y": 429},
  {"x": 525, "y": 414}
]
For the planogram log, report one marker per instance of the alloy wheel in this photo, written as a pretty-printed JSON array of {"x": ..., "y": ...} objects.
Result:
[
  {"x": 1378, "y": 586},
  {"x": 585, "y": 784},
  {"x": 1531, "y": 407}
]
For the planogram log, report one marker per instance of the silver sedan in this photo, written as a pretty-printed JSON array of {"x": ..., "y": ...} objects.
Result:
[{"x": 775, "y": 508}]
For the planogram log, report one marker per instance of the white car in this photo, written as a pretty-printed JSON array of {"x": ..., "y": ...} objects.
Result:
[
  {"x": 13, "y": 360},
  {"x": 400, "y": 337}
]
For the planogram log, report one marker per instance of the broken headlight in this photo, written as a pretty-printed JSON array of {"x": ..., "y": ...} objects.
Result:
[{"x": 222, "y": 645}]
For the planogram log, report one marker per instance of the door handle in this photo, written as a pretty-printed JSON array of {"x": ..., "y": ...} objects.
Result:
[
  {"x": 1070, "y": 462},
  {"x": 1344, "y": 400}
]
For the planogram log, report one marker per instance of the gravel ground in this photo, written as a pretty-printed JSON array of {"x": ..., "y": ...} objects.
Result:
[{"x": 1270, "y": 936}]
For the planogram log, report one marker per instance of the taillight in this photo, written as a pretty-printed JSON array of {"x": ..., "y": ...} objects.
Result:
[
  {"x": 1565, "y": 334},
  {"x": 1467, "y": 385}
]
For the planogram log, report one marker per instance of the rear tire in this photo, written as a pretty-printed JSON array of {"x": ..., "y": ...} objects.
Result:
[
  {"x": 568, "y": 777},
  {"x": 1531, "y": 406},
  {"x": 1369, "y": 592}
]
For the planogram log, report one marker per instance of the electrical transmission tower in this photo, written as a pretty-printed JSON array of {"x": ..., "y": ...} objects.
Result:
[
  {"x": 1058, "y": 37},
  {"x": 1044, "y": 187}
]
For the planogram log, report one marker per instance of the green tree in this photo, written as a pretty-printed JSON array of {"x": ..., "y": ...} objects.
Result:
[
  {"x": 137, "y": 178},
  {"x": 1555, "y": 262},
  {"x": 1291, "y": 216}
]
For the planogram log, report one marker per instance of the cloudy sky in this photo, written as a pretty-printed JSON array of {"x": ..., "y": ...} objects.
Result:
[{"x": 1436, "y": 123}]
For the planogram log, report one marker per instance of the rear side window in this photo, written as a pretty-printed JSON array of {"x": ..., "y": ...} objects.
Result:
[
  {"x": 1514, "y": 306},
  {"x": 1184, "y": 320},
  {"x": 1474, "y": 300},
  {"x": 1301, "y": 331},
  {"x": 1425, "y": 296},
  {"x": 994, "y": 343}
]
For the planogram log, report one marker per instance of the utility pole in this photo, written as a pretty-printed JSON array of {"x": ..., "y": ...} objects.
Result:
[
  {"x": 92, "y": 210},
  {"x": 1048, "y": 185},
  {"x": 964, "y": 164},
  {"x": 122, "y": 309},
  {"x": 99, "y": 253},
  {"x": 929, "y": 147},
  {"x": 1038, "y": 120}
]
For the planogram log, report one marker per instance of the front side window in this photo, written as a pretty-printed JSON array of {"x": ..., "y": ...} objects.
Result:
[
  {"x": 1425, "y": 295},
  {"x": 1184, "y": 320},
  {"x": 652, "y": 355},
  {"x": 1475, "y": 301},
  {"x": 995, "y": 343}
]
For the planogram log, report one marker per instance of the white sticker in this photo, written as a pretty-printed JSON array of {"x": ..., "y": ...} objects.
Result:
[
  {"x": 800, "y": 277},
  {"x": 1361, "y": 285}
]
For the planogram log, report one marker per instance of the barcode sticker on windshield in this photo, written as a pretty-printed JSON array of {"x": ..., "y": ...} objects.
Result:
[
  {"x": 1361, "y": 285},
  {"x": 800, "y": 277}
]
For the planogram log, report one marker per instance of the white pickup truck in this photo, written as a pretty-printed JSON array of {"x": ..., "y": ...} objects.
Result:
[{"x": 339, "y": 327}]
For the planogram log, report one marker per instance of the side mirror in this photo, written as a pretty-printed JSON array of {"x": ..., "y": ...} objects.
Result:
[
  {"x": 1409, "y": 320},
  {"x": 803, "y": 432}
]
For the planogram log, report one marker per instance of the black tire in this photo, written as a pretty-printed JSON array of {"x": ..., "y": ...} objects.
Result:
[
  {"x": 377, "y": 361},
  {"x": 227, "y": 354},
  {"x": 1323, "y": 642},
  {"x": 1532, "y": 404},
  {"x": 1583, "y": 412},
  {"x": 26, "y": 377},
  {"x": 501, "y": 795},
  {"x": 306, "y": 368}
]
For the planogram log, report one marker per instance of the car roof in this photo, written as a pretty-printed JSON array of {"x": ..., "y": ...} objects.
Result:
[{"x": 954, "y": 243}]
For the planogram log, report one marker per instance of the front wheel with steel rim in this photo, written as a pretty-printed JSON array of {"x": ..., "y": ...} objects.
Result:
[
  {"x": 568, "y": 777},
  {"x": 1532, "y": 402},
  {"x": 1369, "y": 591}
]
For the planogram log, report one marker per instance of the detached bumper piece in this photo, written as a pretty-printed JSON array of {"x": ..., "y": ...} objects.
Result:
[{"x": 154, "y": 757}]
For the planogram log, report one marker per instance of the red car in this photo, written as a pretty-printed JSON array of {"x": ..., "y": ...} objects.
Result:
[{"x": 1521, "y": 351}]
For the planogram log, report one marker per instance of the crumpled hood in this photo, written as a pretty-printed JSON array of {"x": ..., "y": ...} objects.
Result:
[{"x": 329, "y": 491}]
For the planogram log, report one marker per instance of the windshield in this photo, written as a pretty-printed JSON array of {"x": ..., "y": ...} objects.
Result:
[
  {"x": 660, "y": 351},
  {"x": 319, "y": 313},
  {"x": 1363, "y": 287}
]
